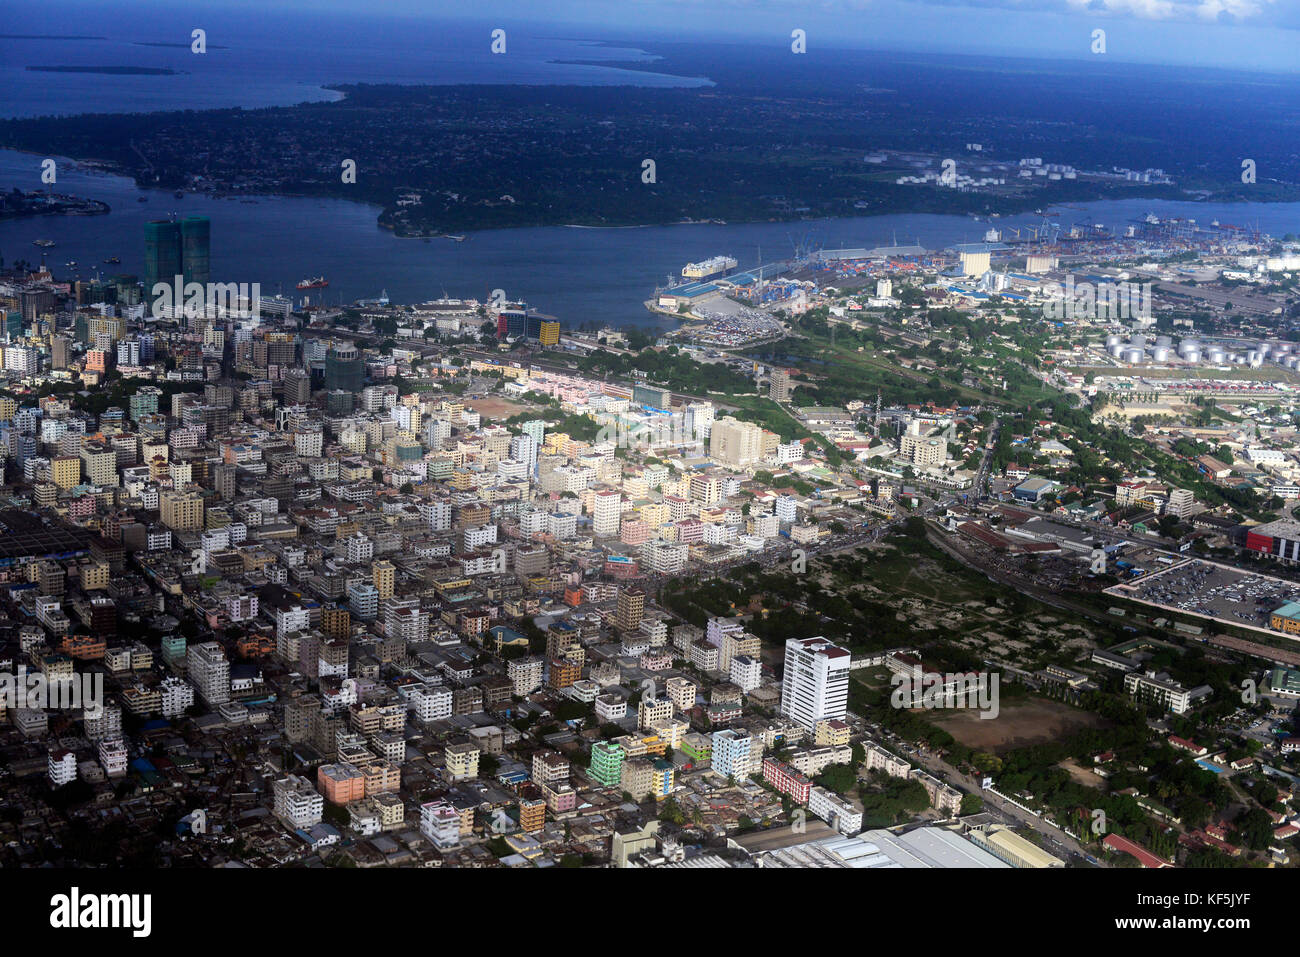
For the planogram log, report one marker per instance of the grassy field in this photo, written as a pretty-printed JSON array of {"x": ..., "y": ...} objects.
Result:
[{"x": 936, "y": 601}]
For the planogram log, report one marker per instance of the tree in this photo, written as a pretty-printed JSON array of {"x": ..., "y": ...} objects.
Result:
[
  {"x": 840, "y": 778},
  {"x": 671, "y": 812},
  {"x": 971, "y": 804}
]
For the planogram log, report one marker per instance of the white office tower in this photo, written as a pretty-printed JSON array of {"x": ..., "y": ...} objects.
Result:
[
  {"x": 607, "y": 509},
  {"x": 523, "y": 448},
  {"x": 699, "y": 420},
  {"x": 209, "y": 670},
  {"x": 296, "y": 802},
  {"x": 62, "y": 766},
  {"x": 437, "y": 515},
  {"x": 816, "y": 682}
]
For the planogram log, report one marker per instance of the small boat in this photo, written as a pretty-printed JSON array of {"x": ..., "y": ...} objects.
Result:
[
  {"x": 111, "y": 261},
  {"x": 43, "y": 243}
]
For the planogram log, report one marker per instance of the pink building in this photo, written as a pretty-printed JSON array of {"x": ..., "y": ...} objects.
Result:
[
  {"x": 634, "y": 532},
  {"x": 787, "y": 780}
]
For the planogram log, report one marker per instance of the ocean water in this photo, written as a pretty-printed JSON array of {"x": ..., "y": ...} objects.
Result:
[
  {"x": 287, "y": 59},
  {"x": 581, "y": 275},
  {"x": 577, "y": 274}
]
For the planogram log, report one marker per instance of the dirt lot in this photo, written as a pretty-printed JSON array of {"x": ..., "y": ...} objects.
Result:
[
  {"x": 1083, "y": 776},
  {"x": 495, "y": 408},
  {"x": 1016, "y": 726}
]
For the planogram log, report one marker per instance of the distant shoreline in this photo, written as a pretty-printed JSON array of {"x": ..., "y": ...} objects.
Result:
[{"x": 109, "y": 70}]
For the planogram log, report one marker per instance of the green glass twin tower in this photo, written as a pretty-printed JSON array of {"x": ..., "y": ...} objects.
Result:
[{"x": 174, "y": 249}]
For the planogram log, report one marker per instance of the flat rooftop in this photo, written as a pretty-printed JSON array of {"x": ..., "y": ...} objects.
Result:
[{"x": 26, "y": 535}]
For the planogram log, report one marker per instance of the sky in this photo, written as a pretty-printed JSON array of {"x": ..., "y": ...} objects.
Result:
[{"x": 1241, "y": 34}]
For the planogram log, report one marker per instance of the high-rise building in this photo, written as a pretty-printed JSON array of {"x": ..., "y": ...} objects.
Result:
[
  {"x": 177, "y": 249},
  {"x": 384, "y": 575},
  {"x": 1180, "y": 502},
  {"x": 606, "y": 763},
  {"x": 181, "y": 511},
  {"x": 532, "y": 815},
  {"x": 344, "y": 369},
  {"x": 162, "y": 253},
  {"x": 815, "y": 685},
  {"x": 779, "y": 386},
  {"x": 440, "y": 823},
  {"x": 209, "y": 670},
  {"x": 735, "y": 443},
  {"x": 631, "y": 608},
  {"x": 607, "y": 509},
  {"x": 62, "y": 766},
  {"x": 734, "y": 752},
  {"x": 196, "y": 249},
  {"x": 297, "y": 803},
  {"x": 60, "y": 352}
]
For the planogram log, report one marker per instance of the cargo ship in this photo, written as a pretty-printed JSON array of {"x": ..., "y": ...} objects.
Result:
[
  {"x": 718, "y": 265},
  {"x": 320, "y": 282}
]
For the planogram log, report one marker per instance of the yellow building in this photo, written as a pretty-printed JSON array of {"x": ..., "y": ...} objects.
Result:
[
  {"x": 95, "y": 576},
  {"x": 181, "y": 511},
  {"x": 385, "y": 578},
  {"x": 65, "y": 471},
  {"x": 831, "y": 732},
  {"x": 461, "y": 761},
  {"x": 532, "y": 815},
  {"x": 1286, "y": 618}
]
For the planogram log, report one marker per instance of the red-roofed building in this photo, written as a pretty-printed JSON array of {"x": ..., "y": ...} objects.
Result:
[
  {"x": 1123, "y": 845},
  {"x": 1182, "y": 744}
]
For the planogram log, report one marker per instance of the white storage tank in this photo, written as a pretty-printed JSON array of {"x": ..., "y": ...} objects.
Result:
[
  {"x": 1113, "y": 340},
  {"x": 1160, "y": 354},
  {"x": 1133, "y": 356},
  {"x": 1192, "y": 355}
]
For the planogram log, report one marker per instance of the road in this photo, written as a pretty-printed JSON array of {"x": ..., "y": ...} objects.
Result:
[{"x": 1055, "y": 840}]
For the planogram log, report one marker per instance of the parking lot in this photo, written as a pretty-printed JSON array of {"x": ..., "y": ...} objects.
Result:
[{"x": 1225, "y": 594}]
